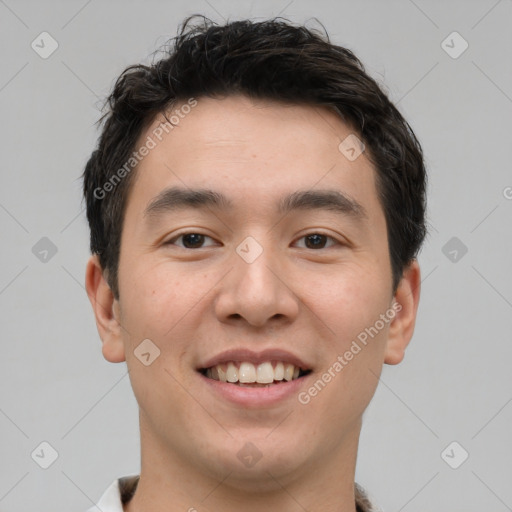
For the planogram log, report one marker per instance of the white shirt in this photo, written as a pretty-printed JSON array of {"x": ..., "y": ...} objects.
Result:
[{"x": 119, "y": 491}]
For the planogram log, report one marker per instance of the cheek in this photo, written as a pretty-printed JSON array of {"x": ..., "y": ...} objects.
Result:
[
  {"x": 158, "y": 297},
  {"x": 351, "y": 302},
  {"x": 361, "y": 326},
  {"x": 347, "y": 381}
]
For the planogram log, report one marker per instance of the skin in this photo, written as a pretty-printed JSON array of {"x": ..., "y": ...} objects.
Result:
[{"x": 194, "y": 303}]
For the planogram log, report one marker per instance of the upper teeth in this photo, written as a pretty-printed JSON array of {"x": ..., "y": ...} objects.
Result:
[{"x": 264, "y": 373}]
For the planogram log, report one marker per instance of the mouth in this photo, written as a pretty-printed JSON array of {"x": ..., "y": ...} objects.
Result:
[{"x": 247, "y": 374}]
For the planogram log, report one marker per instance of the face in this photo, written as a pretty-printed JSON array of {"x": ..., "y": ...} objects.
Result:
[{"x": 253, "y": 248}]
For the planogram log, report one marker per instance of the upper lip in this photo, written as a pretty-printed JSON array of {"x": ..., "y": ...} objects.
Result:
[{"x": 249, "y": 356}]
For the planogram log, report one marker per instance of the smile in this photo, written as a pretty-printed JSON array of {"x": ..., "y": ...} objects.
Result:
[{"x": 247, "y": 374}]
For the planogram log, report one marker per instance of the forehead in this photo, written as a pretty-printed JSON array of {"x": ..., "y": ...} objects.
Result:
[
  {"x": 249, "y": 128},
  {"x": 254, "y": 151}
]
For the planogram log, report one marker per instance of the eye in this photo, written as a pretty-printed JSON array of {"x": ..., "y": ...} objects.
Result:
[
  {"x": 191, "y": 241},
  {"x": 318, "y": 241},
  {"x": 198, "y": 241}
]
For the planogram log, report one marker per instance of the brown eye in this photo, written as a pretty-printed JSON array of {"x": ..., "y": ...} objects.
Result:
[
  {"x": 317, "y": 241},
  {"x": 191, "y": 241}
]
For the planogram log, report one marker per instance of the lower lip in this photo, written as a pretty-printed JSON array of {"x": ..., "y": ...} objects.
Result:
[{"x": 256, "y": 396}]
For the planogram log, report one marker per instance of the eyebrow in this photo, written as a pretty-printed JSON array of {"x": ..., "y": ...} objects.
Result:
[{"x": 176, "y": 198}]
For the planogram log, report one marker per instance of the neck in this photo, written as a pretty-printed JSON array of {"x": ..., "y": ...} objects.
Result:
[{"x": 171, "y": 484}]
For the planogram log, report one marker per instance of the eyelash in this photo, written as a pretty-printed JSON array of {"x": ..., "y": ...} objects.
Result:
[{"x": 329, "y": 238}]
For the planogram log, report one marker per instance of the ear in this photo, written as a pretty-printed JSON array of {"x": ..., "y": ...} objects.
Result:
[
  {"x": 106, "y": 311},
  {"x": 405, "y": 305}
]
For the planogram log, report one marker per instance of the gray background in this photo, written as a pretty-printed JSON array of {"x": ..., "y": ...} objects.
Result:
[{"x": 455, "y": 383}]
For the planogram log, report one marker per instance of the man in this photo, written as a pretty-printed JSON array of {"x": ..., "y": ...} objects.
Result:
[{"x": 256, "y": 206}]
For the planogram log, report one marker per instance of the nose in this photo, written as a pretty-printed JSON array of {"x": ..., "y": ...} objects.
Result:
[{"x": 256, "y": 292}]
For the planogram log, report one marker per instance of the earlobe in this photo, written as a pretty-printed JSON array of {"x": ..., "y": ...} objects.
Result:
[
  {"x": 405, "y": 305},
  {"x": 106, "y": 311}
]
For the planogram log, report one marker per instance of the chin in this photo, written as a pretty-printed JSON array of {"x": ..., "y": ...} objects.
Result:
[{"x": 257, "y": 462}]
